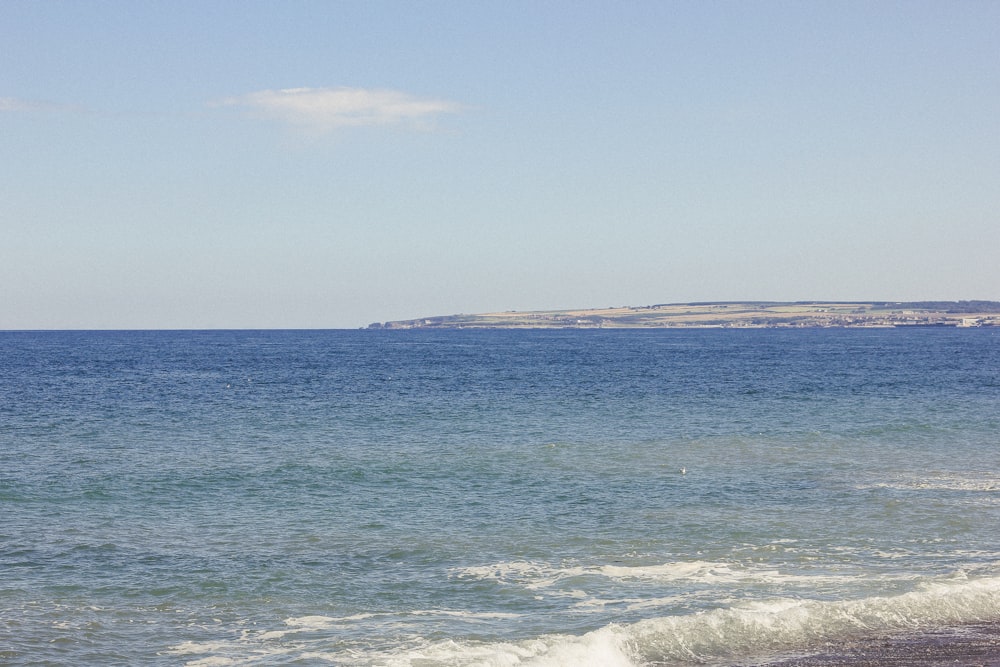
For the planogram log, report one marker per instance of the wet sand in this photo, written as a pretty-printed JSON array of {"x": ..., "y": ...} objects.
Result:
[{"x": 968, "y": 646}]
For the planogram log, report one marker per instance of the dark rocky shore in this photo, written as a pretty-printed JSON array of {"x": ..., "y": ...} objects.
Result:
[{"x": 968, "y": 646}]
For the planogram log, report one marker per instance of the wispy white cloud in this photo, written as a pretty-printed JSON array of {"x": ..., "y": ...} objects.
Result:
[
  {"x": 16, "y": 104},
  {"x": 327, "y": 109}
]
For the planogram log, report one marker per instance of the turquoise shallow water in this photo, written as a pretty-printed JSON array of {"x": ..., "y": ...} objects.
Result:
[{"x": 492, "y": 497}]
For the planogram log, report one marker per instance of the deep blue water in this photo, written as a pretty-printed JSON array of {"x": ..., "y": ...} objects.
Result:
[{"x": 492, "y": 497}]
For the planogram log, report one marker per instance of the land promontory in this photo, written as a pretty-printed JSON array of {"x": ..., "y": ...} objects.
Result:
[{"x": 760, "y": 314}]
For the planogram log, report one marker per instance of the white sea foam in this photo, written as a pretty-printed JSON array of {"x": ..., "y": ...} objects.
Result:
[
  {"x": 628, "y": 604},
  {"x": 771, "y": 626},
  {"x": 462, "y": 614},
  {"x": 985, "y": 482},
  {"x": 741, "y": 632},
  {"x": 310, "y": 622},
  {"x": 216, "y": 654},
  {"x": 537, "y": 576},
  {"x": 532, "y": 576},
  {"x": 605, "y": 647},
  {"x": 722, "y": 635},
  {"x": 210, "y": 662},
  {"x": 185, "y": 648},
  {"x": 981, "y": 490},
  {"x": 690, "y": 571},
  {"x": 300, "y": 624}
]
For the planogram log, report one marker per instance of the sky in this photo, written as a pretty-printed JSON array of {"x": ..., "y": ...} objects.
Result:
[{"x": 294, "y": 164}]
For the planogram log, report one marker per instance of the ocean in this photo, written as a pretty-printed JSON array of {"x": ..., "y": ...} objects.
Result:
[{"x": 614, "y": 498}]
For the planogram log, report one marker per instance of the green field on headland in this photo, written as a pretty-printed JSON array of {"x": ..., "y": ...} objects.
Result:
[{"x": 760, "y": 314}]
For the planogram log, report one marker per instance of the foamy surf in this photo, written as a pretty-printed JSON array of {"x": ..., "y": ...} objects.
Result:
[
  {"x": 537, "y": 576},
  {"x": 766, "y": 628},
  {"x": 750, "y": 631},
  {"x": 982, "y": 485}
]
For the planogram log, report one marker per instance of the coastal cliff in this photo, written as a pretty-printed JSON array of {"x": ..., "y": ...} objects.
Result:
[{"x": 728, "y": 314}]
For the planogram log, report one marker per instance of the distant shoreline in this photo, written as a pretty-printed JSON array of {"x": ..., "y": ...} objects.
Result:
[{"x": 728, "y": 314}]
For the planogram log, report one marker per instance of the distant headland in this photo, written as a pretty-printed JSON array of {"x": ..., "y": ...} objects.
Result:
[{"x": 728, "y": 314}]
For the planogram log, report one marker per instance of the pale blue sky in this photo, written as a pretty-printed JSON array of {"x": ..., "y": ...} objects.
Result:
[{"x": 330, "y": 164}]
